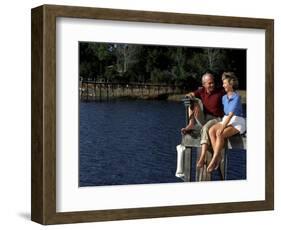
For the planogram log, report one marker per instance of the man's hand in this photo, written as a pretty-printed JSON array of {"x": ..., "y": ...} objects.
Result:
[{"x": 190, "y": 95}]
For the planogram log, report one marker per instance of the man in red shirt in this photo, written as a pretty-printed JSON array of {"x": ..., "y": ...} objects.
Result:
[{"x": 205, "y": 112}]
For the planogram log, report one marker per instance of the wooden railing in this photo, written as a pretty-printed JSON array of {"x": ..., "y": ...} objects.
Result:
[{"x": 97, "y": 91}]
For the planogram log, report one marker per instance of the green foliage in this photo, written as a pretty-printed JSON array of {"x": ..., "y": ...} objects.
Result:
[
  {"x": 182, "y": 66},
  {"x": 161, "y": 76}
]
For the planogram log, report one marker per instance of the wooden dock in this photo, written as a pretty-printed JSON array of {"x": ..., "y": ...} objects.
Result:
[
  {"x": 191, "y": 141},
  {"x": 100, "y": 91}
]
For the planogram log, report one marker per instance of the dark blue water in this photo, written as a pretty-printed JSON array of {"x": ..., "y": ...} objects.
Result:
[{"x": 134, "y": 142}]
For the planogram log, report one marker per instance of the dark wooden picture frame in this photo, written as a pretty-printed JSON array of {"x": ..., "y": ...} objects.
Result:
[{"x": 43, "y": 197}]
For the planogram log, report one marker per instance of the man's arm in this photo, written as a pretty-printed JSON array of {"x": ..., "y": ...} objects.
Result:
[{"x": 195, "y": 93}]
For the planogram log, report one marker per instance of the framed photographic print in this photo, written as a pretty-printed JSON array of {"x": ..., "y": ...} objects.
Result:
[{"x": 140, "y": 114}]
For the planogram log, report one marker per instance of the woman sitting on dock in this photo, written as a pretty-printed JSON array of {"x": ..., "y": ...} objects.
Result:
[{"x": 232, "y": 123}]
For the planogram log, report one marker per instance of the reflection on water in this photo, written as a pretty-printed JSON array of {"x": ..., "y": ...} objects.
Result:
[{"x": 134, "y": 142}]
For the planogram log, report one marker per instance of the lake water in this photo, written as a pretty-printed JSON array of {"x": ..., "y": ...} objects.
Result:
[{"x": 134, "y": 142}]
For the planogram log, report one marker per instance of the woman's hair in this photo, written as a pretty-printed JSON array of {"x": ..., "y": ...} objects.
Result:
[{"x": 231, "y": 78}]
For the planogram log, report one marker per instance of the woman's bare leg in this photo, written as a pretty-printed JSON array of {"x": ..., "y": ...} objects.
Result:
[
  {"x": 220, "y": 139},
  {"x": 214, "y": 141},
  {"x": 212, "y": 134},
  {"x": 214, "y": 164}
]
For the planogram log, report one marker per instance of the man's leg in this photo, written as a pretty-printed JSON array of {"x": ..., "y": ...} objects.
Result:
[
  {"x": 196, "y": 116},
  {"x": 205, "y": 141}
]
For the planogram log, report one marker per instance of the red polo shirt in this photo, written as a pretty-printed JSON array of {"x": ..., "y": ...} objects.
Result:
[{"x": 212, "y": 102}]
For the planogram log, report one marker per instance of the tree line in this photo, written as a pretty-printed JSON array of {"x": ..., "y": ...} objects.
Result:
[{"x": 172, "y": 65}]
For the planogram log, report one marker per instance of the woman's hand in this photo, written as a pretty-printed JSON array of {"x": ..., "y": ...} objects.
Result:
[
  {"x": 227, "y": 120},
  {"x": 220, "y": 131}
]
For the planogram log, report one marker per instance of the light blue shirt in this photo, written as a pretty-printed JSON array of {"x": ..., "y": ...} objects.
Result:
[{"x": 232, "y": 104}]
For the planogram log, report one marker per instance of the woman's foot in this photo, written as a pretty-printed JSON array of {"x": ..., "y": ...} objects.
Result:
[{"x": 214, "y": 164}]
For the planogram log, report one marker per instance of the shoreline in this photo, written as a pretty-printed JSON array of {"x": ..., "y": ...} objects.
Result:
[{"x": 160, "y": 97}]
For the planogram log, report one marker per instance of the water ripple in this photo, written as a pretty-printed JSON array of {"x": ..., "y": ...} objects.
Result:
[{"x": 133, "y": 142}]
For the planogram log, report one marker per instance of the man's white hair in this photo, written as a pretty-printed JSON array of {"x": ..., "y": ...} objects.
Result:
[{"x": 205, "y": 76}]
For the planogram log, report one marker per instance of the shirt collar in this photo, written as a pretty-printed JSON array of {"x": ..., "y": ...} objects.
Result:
[
  {"x": 210, "y": 92},
  {"x": 232, "y": 96}
]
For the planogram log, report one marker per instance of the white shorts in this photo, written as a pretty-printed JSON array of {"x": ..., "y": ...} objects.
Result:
[{"x": 237, "y": 122}]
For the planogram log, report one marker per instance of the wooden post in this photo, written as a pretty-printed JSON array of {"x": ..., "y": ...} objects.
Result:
[
  {"x": 207, "y": 176},
  {"x": 100, "y": 91},
  {"x": 107, "y": 91},
  {"x": 82, "y": 91},
  {"x": 221, "y": 166},
  {"x": 224, "y": 166},
  {"x": 95, "y": 88},
  {"x": 117, "y": 90},
  {"x": 187, "y": 103},
  {"x": 198, "y": 171},
  {"x": 87, "y": 91},
  {"x": 201, "y": 173},
  {"x": 187, "y": 164}
]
